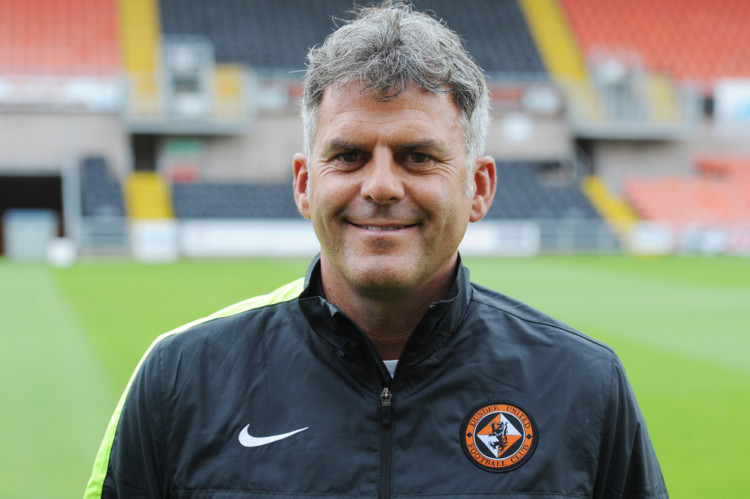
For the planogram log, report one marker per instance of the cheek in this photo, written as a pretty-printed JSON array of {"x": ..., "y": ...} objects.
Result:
[
  {"x": 453, "y": 198},
  {"x": 454, "y": 210},
  {"x": 332, "y": 192},
  {"x": 326, "y": 202}
]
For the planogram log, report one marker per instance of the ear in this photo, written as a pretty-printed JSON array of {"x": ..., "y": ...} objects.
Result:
[
  {"x": 301, "y": 176},
  {"x": 485, "y": 183}
]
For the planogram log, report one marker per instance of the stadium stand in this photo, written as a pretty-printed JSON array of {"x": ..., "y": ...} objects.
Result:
[
  {"x": 687, "y": 39},
  {"x": 487, "y": 26},
  {"x": 140, "y": 43},
  {"x": 101, "y": 192},
  {"x": 555, "y": 39},
  {"x": 139, "y": 35},
  {"x": 148, "y": 196},
  {"x": 539, "y": 190},
  {"x": 610, "y": 91},
  {"x": 276, "y": 34},
  {"x": 719, "y": 194},
  {"x": 264, "y": 34},
  {"x": 59, "y": 37},
  {"x": 104, "y": 224},
  {"x": 616, "y": 211},
  {"x": 234, "y": 200},
  {"x": 728, "y": 168},
  {"x": 549, "y": 194}
]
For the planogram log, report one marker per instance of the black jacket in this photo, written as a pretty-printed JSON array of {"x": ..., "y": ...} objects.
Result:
[{"x": 490, "y": 397}]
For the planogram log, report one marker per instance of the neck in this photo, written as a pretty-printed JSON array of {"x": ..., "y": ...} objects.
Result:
[
  {"x": 388, "y": 317},
  {"x": 387, "y": 327}
]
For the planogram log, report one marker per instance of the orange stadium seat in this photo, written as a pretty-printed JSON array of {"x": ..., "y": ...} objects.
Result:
[
  {"x": 58, "y": 37},
  {"x": 720, "y": 194},
  {"x": 693, "y": 40}
]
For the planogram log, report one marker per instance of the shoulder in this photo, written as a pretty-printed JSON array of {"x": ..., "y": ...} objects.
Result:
[
  {"x": 226, "y": 326},
  {"x": 528, "y": 326}
]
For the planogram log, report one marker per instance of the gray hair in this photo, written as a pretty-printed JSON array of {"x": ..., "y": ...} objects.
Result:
[{"x": 387, "y": 48}]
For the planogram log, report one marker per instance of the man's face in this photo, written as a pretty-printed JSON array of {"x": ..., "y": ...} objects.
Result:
[{"x": 388, "y": 189}]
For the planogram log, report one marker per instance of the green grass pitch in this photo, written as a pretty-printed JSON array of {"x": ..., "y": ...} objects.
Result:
[{"x": 69, "y": 339}]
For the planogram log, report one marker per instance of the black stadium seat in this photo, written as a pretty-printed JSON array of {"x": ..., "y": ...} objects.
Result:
[
  {"x": 276, "y": 34},
  {"x": 101, "y": 191},
  {"x": 536, "y": 190},
  {"x": 233, "y": 200}
]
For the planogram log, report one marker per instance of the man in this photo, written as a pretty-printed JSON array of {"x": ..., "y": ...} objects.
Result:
[{"x": 384, "y": 372}]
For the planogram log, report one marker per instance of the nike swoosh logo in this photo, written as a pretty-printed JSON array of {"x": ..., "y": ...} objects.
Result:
[{"x": 248, "y": 440}]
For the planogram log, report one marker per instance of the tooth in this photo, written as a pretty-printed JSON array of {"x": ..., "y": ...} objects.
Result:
[{"x": 377, "y": 228}]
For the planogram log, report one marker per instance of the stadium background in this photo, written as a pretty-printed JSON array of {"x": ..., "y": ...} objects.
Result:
[{"x": 162, "y": 131}]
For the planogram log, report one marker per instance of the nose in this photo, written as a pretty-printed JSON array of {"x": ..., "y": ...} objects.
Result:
[{"x": 382, "y": 183}]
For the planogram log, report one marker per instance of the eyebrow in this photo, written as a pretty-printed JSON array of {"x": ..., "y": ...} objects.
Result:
[
  {"x": 341, "y": 145},
  {"x": 424, "y": 145}
]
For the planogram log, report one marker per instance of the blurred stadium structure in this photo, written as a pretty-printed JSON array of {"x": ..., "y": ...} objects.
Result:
[{"x": 165, "y": 128}]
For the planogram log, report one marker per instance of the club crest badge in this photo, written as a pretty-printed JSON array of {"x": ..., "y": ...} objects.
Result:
[{"x": 498, "y": 436}]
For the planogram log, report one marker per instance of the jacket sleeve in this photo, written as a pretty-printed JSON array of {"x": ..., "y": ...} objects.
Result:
[
  {"x": 628, "y": 467},
  {"x": 130, "y": 459}
]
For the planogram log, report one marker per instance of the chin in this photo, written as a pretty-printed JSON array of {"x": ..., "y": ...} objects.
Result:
[{"x": 383, "y": 277}]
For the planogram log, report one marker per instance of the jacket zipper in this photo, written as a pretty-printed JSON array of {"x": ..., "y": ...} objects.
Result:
[{"x": 386, "y": 443}]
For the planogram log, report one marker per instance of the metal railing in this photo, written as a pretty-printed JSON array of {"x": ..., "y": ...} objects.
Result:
[{"x": 577, "y": 236}]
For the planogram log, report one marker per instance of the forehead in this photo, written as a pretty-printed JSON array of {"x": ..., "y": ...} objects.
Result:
[{"x": 348, "y": 111}]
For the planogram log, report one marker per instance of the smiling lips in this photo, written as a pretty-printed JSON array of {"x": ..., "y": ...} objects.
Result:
[{"x": 383, "y": 228}]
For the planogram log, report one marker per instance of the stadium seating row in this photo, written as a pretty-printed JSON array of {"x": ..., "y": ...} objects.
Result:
[
  {"x": 539, "y": 190},
  {"x": 689, "y": 39},
  {"x": 718, "y": 195},
  {"x": 276, "y": 34},
  {"x": 85, "y": 37},
  {"x": 59, "y": 37},
  {"x": 101, "y": 191},
  {"x": 233, "y": 200}
]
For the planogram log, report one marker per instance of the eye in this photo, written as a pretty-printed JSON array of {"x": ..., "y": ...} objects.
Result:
[
  {"x": 348, "y": 160},
  {"x": 349, "y": 157},
  {"x": 419, "y": 158}
]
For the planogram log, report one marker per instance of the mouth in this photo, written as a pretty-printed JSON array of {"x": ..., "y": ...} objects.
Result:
[{"x": 382, "y": 228}]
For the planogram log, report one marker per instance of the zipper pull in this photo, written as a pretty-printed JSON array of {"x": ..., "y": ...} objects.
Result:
[{"x": 386, "y": 397}]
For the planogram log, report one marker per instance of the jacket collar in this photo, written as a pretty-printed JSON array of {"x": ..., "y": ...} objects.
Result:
[{"x": 431, "y": 335}]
